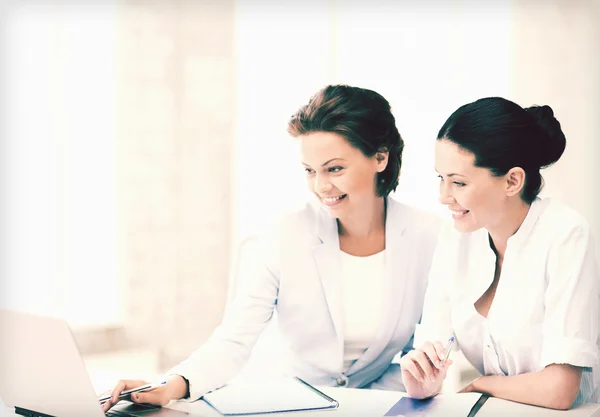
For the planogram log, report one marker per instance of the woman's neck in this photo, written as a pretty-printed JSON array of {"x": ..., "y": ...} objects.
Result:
[
  {"x": 365, "y": 221},
  {"x": 507, "y": 226}
]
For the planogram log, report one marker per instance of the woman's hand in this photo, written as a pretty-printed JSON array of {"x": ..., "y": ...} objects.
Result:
[
  {"x": 422, "y": 370},
  {"x": 469, "y": 387},
  {"x": 175, "y": 388}
]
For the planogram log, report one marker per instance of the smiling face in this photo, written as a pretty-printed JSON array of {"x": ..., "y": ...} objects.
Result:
[
  {"x": 338, "y": 174},
  {"x": 475, "y": 197}
]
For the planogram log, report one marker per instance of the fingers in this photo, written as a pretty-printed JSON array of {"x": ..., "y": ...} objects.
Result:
[
  {"x": 417, "y": 363},
  {"x": 408, "y": 365},
  {"x": 434, "y": 354},
  {"x": 106, "y": 406},
  {"x": 423, "y": 360},
  {"x": 467, "y": 388},
  {"x": 441, "y": 351},
  {"x": 425, "y": 364},
  {"x": 117, "y": 390},
  {"x": 155, "y": 397},
  {"x": 121, "y": 386}
]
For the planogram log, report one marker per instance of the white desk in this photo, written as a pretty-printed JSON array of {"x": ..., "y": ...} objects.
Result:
[{"x": 373, "y": 403}]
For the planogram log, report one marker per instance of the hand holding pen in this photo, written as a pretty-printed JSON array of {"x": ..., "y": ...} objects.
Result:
[
  {"x": 128, "y": 392},
  {"x": 424, "y": 369},
  {"x": 160, "y": 393}
]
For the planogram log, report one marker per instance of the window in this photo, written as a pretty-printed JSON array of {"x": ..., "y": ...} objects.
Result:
[{"x": 59, "y": 169}]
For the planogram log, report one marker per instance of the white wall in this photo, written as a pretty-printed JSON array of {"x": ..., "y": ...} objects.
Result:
[
  {"x": 59, "y": 170},
  {"x": 426, "y": 61},
  {"x": 556, "y": 47},
  {"x": 284, "y": 55}
]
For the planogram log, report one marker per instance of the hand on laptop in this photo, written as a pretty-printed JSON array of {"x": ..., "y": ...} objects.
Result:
[
  {"x": 424, "y": 370},
  {"x": 175, "y": 388}
]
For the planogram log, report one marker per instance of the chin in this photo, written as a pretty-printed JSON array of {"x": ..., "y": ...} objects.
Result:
[
  {"x": 465, "y": 227},
  {"x": 333, "y": 211}
]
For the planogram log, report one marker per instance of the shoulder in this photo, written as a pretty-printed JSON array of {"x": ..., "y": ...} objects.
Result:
[
  {"x": 415, "y": 221},
  {"x": 297, "y": 223},
  {"x": 558, "y": 222},
  {"x": 301, "y": 217},
  {"x": 291, "y": 231}
]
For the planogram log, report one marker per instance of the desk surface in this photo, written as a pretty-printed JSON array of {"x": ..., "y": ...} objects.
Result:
[{"x": 373, "y": 403}]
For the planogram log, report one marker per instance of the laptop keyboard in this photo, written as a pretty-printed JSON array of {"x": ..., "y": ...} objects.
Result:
[
  {"x": 128, "y": 409},
  {"x": 111, "y": 413}
]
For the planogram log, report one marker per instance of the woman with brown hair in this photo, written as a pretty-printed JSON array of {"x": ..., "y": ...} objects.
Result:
[{"x": 346, "y": 273}]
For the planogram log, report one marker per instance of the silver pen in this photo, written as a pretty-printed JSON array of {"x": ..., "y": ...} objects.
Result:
[{"x": 447, "y": 351}]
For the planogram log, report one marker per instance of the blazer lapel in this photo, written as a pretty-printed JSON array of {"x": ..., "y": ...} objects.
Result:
[
  {"x": 327, "y": 259},
  {"x": 397, "y": 256}
]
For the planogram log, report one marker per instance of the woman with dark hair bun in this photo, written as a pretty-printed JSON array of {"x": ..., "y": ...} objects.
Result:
[{"x": 514, "y": 282}]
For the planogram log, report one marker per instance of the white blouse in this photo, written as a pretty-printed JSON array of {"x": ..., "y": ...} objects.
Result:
[
  {"x": 363, "y": 292},
  {"x": 546, "y": 306}
]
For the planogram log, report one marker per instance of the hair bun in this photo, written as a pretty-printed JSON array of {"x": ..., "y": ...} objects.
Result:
[{"x": 552, "y": 139}]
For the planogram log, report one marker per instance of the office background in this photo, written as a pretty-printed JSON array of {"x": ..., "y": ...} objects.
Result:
[{"x": 142, "y": 140}]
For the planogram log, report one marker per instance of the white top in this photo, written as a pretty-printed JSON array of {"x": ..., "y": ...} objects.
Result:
[
  {"x": 363, "y": 292},
  {"x": 546, "y": 306},
  {"x": 291, "y": 272}
]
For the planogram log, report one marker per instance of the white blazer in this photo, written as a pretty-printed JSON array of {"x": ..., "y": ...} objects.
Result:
[{"x": 298, "y": 276}]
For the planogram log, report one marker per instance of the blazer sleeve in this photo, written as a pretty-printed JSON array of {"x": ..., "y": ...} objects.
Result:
[
  {"x": 227, "y": 350},
  {"x": 429, "y": 230},
  {"x": 435, "y": 324}
]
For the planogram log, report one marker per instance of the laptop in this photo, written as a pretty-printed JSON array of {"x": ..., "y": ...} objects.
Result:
[{"x": 42, "y": 373}]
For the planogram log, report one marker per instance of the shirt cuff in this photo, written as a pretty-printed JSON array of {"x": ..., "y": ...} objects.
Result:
[
  {"x": 431, "y": 334},
  {"x": 195, "y": 390},
  {"x": 571, "y": 351}
]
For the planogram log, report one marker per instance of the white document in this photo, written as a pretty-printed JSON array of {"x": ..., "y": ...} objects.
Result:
[{"x": 268, "y": 396}]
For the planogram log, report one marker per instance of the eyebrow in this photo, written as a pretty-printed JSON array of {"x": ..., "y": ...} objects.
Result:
[
  {"x": 325, "y": 163},
  {"x": 454, "y": 174}
]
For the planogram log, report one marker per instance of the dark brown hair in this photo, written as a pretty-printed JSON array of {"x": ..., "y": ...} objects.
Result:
[
  {"x": 503, "y": 135},
  {"x": 361, "y": 116}
]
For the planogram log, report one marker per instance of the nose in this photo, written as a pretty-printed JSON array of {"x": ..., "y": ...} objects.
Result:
[
  {"x": 446, "y": 196},
  {"x": 322, "y": 184}
]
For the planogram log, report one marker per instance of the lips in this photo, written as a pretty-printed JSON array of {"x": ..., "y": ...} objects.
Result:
[
  {"x": 333, "y": 200},
  {"x": 459, "y": 214}
]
